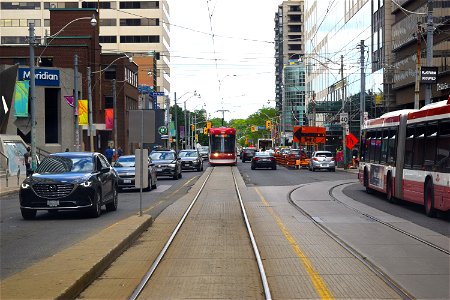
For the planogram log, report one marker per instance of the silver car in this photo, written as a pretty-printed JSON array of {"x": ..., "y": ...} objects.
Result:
[{"x": 322, "y": 160}]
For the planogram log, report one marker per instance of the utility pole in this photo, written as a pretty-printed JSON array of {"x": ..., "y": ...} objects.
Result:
[
  {"x": 75, "y": 104},
  {"x": 168, "y": 121},
  {"x": 185, "y": 126},
  {"x": 417, "y": 85},
  {"x": 115, "y": 115},
  {"x": 90, "y": 131},
  {"x": 32, "y": 41},
  {"x": 176, "y": 123},
  {"x": 362, "y": 98},
  {"x": 428, "y": 93},
  {"x": 344, "y": 126},
  {"x": 223, "y": 114}
]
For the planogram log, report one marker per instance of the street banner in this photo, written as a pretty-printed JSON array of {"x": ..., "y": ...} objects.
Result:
[
  {"x": 21, "y": 99},
  {"x": 69, "y": 100},
  {"x": 109, "y": 118},
  {"x": 83, "y": 112}
]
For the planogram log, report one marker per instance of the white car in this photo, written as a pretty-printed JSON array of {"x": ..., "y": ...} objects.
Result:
[{"x": 322, "y": 160}]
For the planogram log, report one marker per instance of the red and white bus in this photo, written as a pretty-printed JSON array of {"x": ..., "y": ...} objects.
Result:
[
  {"x": 222, "y": 146},
  {"x": 406, "y": 155}
]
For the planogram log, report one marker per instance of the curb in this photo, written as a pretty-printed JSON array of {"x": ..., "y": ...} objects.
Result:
[{"x": 67, "y": 273}]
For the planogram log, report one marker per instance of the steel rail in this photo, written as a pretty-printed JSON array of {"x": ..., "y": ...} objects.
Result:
[
  {"x": 262, "y": 272},
  {"x": 383, "y": 276},
  {"x": 155, "y": 264},
  {"x": 415, "y": 237}
]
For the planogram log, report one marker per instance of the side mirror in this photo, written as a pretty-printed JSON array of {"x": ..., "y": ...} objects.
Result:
[
  {"x": 104, "y": 170},
  {"x": 151, "y": 164}
]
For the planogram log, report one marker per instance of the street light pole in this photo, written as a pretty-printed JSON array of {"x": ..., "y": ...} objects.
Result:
[
  {"x": 32, "y": 41},
  {"x": 75, "y": 104},
  {"x": 91, "y": 135},
  {"x": 115, "y": 116},
  {"x": 176, "y": 122}
]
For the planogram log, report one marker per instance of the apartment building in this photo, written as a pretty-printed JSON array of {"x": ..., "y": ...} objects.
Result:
[
  {"x": 289, "y": 50},
  {"x": 139, "y": 28}
]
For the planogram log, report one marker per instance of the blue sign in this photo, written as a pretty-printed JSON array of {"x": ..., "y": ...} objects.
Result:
[
  {"x": 158, "y": 94},
  {"x": 42, "y": 77},
  {"x": 144, "y": 89}
]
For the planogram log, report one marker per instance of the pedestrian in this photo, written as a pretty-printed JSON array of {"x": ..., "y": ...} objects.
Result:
[
  {"x": 67, "y": 149},
  {"x": 27, "y": 161},
  {"x": 119, "y": 152},
  {"x": 109, "y": 153}
]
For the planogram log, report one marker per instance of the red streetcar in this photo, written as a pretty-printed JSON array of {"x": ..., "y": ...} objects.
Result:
[
  {"x": 406, "y": 155},
  {"x": 222, "y": 146}
]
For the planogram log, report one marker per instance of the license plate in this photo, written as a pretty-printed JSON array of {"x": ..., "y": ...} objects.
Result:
[
  {"x": 127, "y": 181},
  {"x": 264, "y": 160},
  {"x": 324, "y": 165},
  {"x": 53, "y": 203},
  {"x": 158, "y": 170}
]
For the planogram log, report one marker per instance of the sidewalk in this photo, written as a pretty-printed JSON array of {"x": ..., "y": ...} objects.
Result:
[{"x": 11, "y": 185}]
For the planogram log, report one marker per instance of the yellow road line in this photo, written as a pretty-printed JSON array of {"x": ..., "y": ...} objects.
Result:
[{"x": 317, "y": 280}]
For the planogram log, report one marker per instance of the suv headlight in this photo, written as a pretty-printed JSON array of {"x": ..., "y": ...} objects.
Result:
[
  {"x": 172, "y": 165},
  {"x": 24, "y": 185},
  {"x": 86, "y": 183}
]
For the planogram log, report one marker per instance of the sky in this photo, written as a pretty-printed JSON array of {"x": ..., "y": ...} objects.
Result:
[{"x": 228, "y": 59}]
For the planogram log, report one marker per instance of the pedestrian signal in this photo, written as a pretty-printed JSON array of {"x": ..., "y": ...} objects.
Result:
[
  {"x": 254, "y": 128},
  {"x": 268, "y": 124},
  {"x": 205, "y": 130}
]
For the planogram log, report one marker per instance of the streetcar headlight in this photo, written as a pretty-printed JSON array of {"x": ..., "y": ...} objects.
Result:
[{"x": 216, "y": 154}]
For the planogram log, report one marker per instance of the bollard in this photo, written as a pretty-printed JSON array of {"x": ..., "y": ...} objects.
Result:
[
  {"x": 7, "y": 175},
  {"x": 18, "y": 175}
]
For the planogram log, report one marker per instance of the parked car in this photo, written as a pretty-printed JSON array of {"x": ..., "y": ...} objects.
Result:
[
  {"x": 322, "y": 160},
  {"x": 167, "y": 163},
  {"x": 204, "y": 152},
  {"x": 125, "y": 168},
  {"x": 264, "y": 160},
  {"x": 70, "y": 181},
  {"x": 191, "y": 160},
  {"x": 247, "y": 154}
]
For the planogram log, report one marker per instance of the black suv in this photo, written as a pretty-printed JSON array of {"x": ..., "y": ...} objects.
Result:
[
  {"x": 167, "y": 163},
  {"x": 70, "y": 181},
  {"x": 247, "y": 154}
]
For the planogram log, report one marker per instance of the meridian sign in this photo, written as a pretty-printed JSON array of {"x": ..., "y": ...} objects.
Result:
[{"x": 42, "y": 77}]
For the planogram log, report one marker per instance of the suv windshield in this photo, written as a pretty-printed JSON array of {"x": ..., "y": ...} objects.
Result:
[
  {"x": 125, "y": 162},
  {"x": 162, "y": 156},
  {"x": 188, "y": 154},
  {"x": 62, "y": 164}
]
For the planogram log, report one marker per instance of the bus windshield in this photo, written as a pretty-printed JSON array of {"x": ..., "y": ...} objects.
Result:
[{"x": 222, "y": 143}]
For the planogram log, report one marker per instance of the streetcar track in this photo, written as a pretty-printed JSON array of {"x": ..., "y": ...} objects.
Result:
[
  {"x": 373, "y": 267},
  {"x": 373, "y": 218},
  {"x": 146, "y": 278}
]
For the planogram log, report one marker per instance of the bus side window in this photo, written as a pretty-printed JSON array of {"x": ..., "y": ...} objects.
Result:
[
  {"x": 443, "y": 147},
  {"x": 430, "y": 146},
  {"x": 392, "y": 150},
  {"x": 384, "y": 146},
  {"x": 418, "y": 148},
  {"x": 409, "y": 146}
]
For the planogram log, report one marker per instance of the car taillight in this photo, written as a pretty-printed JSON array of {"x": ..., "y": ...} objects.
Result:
[
  {"x": 332, "y": 159},
  {"x": 272, "y": 158},
  {"x": 255, "y": 158},
  {"x": 316, "y": 159}
]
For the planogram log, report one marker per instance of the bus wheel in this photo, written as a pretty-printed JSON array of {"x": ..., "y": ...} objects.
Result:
[
  {"x": 430, "y": 211},
  {"x": 389, "y": 193}
]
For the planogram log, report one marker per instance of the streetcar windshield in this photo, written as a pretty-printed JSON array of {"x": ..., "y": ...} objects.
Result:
[{"x": 222, "y": 143}]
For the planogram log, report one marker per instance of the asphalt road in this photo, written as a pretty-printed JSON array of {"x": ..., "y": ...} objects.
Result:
[{"x": 23, "y": 243}]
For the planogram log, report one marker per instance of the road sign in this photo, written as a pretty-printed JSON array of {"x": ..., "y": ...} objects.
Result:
[
  {"x": 162, "y": 130},
  {"x": 347, "y": 130},
  {"x": 309, "y": 135},
  {"x": 158, "y": 94},
  {"x": 366, "y": 116},
  {"x": 343, "y": 118},
  {"x": 351, "y": 141}
]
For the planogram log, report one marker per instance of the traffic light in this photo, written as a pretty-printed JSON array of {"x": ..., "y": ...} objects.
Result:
[
  {"x": 192, "y": 127},
  {"x": 196, "y": 137},
  {"x": 254, "y": 128},
  {"x": 246, "y": 141},
  {"x": 205, "y": 130},
  {"x": 268, "y": 124},
  {"x": 208, "y": 124}
]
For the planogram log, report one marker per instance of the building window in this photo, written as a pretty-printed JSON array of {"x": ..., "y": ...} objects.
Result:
[
  {"x": 110, "y": 73},
  {"x": 139, "y": 39},
  {"x": 48, "y": 5},
  {"x": 139, "y": 5},
  {"x": 139, "y": 22},
  {"x": 109, "y": 102},
  {"x": 103, "y": 5},
  {"x": 15, "y": 39},
  {"x": 108, "y": 39},
  {"x": 20, "y": 5},
  {"x": 108, "y": 22},
  {"x": 51, "y": 116}
]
